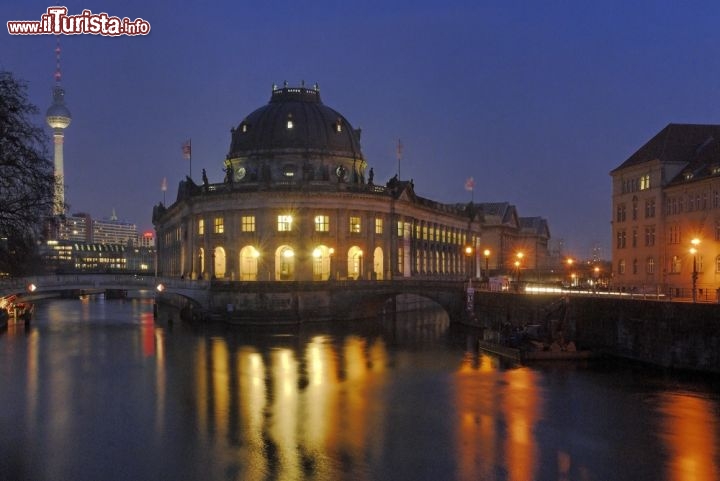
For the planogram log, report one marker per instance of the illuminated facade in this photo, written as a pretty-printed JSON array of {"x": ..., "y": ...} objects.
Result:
[
  {"x": 299, "y": 202},
  {"x": 666, "y": 195}
]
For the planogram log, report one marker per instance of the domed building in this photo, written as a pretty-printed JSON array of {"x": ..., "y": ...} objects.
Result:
[{"x": 299, "y": 203}]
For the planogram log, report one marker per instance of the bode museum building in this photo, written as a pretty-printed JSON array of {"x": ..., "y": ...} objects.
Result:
[{"x": 299, "y": 202}]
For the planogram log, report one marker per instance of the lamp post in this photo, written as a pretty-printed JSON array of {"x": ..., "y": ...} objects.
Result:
[
  {"x": 468, "y": 263},
  {"x": 486, "y": 252},
  {"x": 518, "y": 265},
  {"x": 569, "y": 262},
  {"x": 693, "y": 251}
]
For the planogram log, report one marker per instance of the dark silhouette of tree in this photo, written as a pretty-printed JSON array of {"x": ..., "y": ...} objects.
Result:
[{"x": 27, "y": 179}]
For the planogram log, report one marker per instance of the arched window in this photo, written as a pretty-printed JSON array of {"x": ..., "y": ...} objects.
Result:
[
  {"x": 355, "y": 262},
  {"x": 220, "y": 264},
  {"x": 378, "y": 263},
  {"x": 322, "y": 262},
  {"x": 249, "y": 263},
  {"x": 284, "y": 263}
]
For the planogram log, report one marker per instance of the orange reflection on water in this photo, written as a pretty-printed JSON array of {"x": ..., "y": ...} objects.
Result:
[
  {"x": 521, "y": 405},
  {"x": 252, "y": 404},
  {"x": 220, "y": 385},
  {"x": 689, "y": 428},
  {"x": 283, "y": 424},
  {"x": 320, "y": 395},
  {"x": 476, "y": 388}
]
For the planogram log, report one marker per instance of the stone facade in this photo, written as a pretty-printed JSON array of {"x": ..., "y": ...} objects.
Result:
[
  {"x": 663, "y": 197},
  {"x": 298, "y": 202}
]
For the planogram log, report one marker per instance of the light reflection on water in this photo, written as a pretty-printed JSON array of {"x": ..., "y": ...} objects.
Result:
[{"x": 96, "y": 390}]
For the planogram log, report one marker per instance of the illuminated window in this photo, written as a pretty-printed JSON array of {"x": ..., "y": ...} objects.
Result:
[
  {"x": 201, "y": 227},
  {"x": 244, "y": 127},
  {"x": 645, "y": 182},
  {"x": 675, "y": 265},
  {"x": 338, "y": 126},
  {"x": 400, "y": 228},
  {"x": 219, "y": 225},
  {"x": 355, "y": 225},
  {"x": 284, "y": 223},
  {"x": 621, "y": 266},
  {"x": 248, "y": 223},
  {"x": 322, "y": 223},
  {"x": 378, "y": 225},
  {"x": 425, "y": 232},
  {"x": 289, "y": 121}
]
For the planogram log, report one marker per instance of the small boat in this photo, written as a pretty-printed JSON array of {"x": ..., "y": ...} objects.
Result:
[{"x": 21, "y": 311}]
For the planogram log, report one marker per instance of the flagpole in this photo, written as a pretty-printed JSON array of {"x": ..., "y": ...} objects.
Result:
[
  {"x": 399, "y": 156},
  {"x": 190, "y": 145}
]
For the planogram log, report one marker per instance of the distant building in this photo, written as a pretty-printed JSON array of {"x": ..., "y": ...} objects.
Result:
[
  {"x": 82, "y": 257},
  {"x": 505, "y": 235},
  {"x": 88, "y": 245},
  {"x": 146, "y": 239},
  {"x": 81, "y": 227},
  {"x": 664, "y": 196},
  {"x": 76, "y": 228},
  {"x": 299, "y": 202}
]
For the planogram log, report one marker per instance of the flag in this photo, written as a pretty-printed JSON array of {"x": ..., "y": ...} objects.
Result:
[
  {"x": 187, "y": 149},
  {"x": 470, "y": 184},
  {"x": 163, "y": 185}
]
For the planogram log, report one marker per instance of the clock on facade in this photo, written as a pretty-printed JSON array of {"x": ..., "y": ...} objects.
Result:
[
  {"x": 340, "y": 172},
  {"x": 240, "y": 173}
]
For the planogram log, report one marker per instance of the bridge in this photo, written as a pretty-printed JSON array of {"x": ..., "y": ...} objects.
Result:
[{"x": 258, "y": 301}]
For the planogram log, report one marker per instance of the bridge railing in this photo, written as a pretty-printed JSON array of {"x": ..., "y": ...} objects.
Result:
[{"x": 41, "y": 283}]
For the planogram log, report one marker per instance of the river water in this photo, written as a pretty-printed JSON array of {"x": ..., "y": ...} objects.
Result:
[{"x": 96, "y": 389}]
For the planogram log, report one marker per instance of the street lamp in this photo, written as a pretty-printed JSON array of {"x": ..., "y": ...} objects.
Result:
[
  {"x": 693, "y": 251},
  {"x": 518, "y": 263},
  {"x": 468, "y": 263},
  {"x": 569, "y": 262},
  {"x": 486, "y": 252}
]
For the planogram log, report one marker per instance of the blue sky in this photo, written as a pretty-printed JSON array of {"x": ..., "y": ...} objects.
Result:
[{"x": 537, "y": 101}]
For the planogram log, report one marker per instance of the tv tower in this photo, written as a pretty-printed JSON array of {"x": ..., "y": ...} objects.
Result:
[{"x": 58, "y": 118}]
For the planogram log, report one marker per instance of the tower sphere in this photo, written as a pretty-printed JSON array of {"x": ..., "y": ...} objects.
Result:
[{"x": 58, "y": 116}]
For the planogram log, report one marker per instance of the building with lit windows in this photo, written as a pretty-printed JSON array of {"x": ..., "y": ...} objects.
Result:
[
  {"x": 299, "y": 202},
  {"x": 666, "y": 214},
  {"x": 89, "y": 245}
]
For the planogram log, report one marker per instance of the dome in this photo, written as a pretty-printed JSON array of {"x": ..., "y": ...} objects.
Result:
[{"x": 295, "y": 121}]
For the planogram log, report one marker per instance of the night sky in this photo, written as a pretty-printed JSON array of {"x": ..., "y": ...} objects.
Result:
[{"x": 537, "y": 101}]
